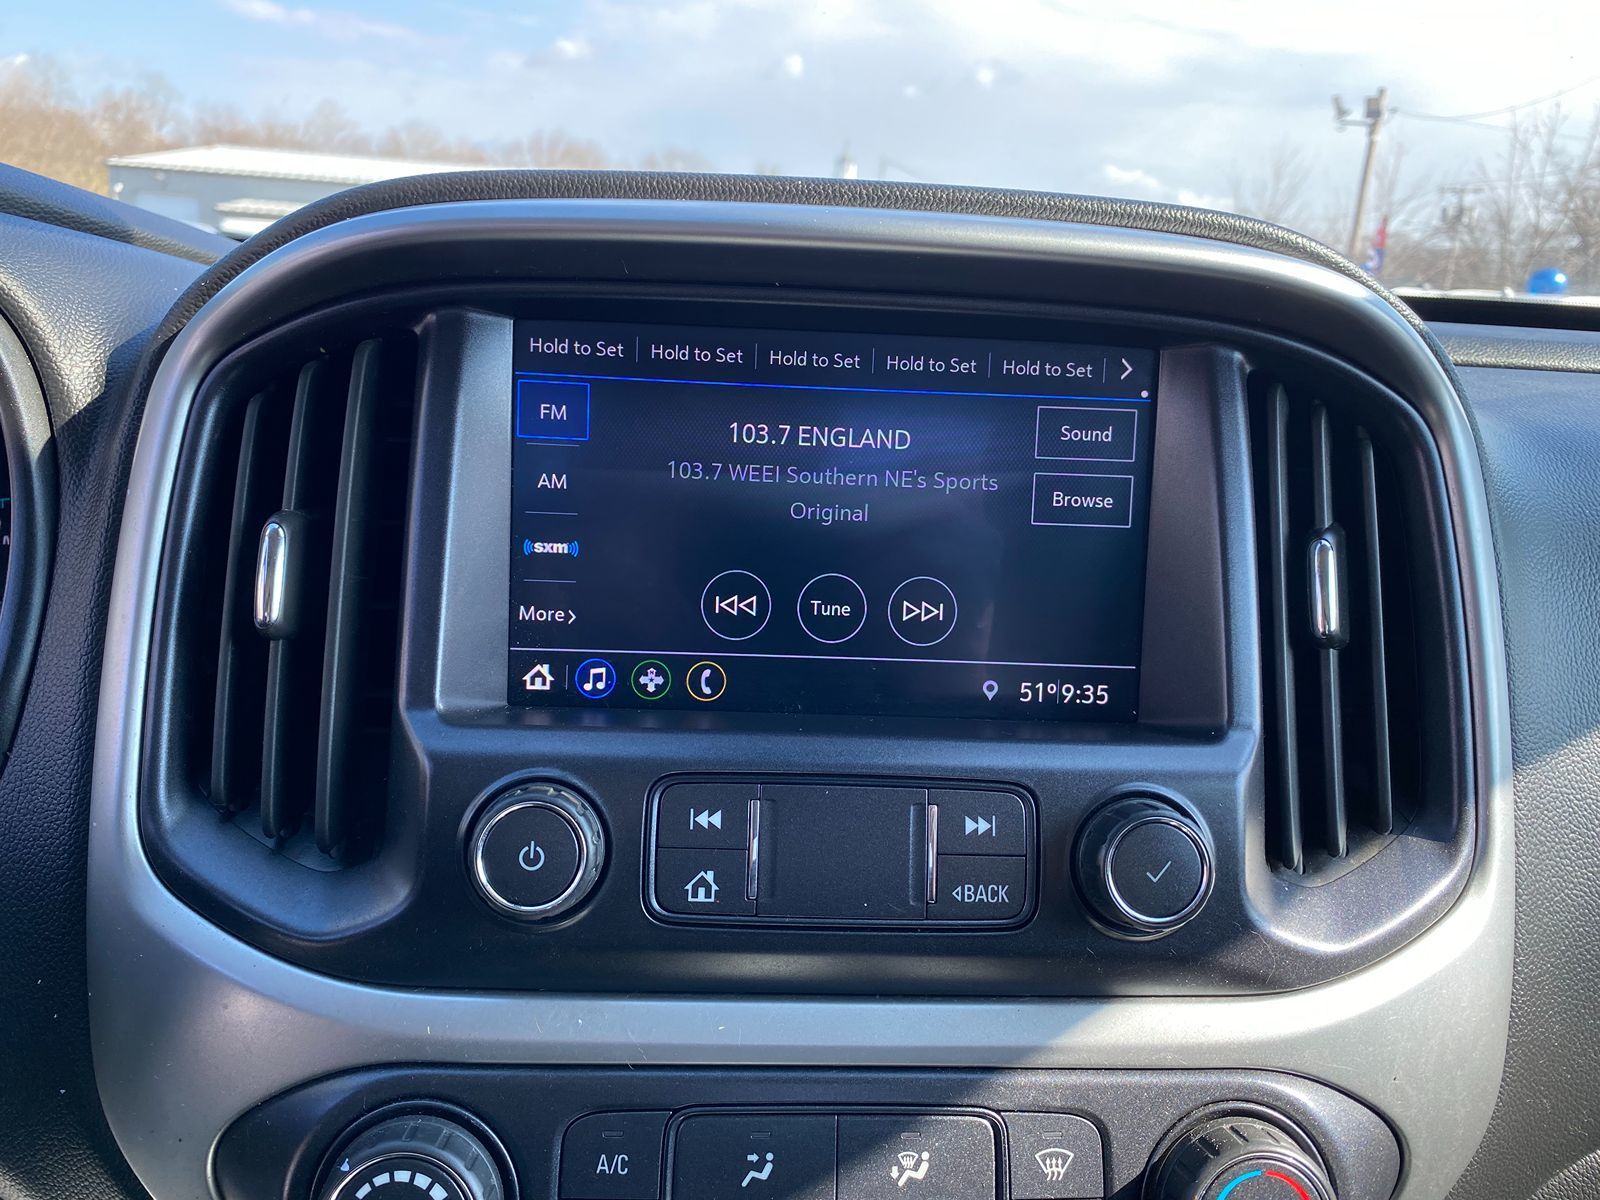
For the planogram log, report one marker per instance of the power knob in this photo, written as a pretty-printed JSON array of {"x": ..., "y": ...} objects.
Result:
[
  {"x": 420, "y": 1157},
  {"x": 536, "y": 851},
  {"x": 1237, "y": 1158}
]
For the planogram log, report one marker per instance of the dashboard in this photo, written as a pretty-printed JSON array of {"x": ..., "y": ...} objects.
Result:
[{"x": 816, "y": 694}]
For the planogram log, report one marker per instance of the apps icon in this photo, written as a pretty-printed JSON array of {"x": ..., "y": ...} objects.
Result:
[{"x": 651, "y": 679}]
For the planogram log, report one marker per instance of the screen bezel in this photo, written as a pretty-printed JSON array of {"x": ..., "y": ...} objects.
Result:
[{"x": 1183, "y": 677}]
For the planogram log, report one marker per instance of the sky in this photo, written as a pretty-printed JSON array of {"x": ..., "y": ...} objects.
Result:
[{"x": 1159, "y": 99}]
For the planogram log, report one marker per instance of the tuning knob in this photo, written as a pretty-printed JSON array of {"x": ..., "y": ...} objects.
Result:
[
  {"x": 1143, "y": 866},
  {"x": 1237, "y": 1158},
  {"x": 421, "y": 1157}
]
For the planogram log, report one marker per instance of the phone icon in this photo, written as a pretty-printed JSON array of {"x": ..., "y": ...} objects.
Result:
[{"x": 707, "y": 681}]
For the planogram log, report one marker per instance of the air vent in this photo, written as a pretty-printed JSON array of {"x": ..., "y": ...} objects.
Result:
[
  {"x": 1339, "y": 651},
  {"x": 308, "y": 490}
]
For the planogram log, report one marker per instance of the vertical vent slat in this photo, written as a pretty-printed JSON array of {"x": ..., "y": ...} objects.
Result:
[
  {"x": 1331, "y": 814},
  {"x": 338, "y": 741},
  {"x": 292, "y": 589},
  {"x": 235, "y": 777},
  {"x": 294, "y": 664},
  {"x": 1338, "y": 603},
  {"x": 1285, "y": 784},
  {"x": 1382, "y": 785}
]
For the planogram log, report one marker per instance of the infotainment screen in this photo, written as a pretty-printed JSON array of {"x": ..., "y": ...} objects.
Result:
[{"x": 777, "y": 521}]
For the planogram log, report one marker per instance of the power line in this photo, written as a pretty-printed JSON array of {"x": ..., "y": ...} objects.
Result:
[{"x": 1467, "y": 118}]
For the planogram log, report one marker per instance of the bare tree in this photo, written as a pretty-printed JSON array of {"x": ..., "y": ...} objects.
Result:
[
  {"x": 1277, "y": 191},
  {"x": 552, "y": 149}
]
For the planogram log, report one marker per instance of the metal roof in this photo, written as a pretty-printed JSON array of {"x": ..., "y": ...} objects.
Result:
[{"x": 344, "y": 169}]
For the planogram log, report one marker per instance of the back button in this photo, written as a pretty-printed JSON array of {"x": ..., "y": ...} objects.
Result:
[{"x": 979, "y": 887}]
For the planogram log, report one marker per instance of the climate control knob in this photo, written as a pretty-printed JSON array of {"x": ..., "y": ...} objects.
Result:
[
  {"x": 1143, "y": 866},
  {"x": 1237, "y": 1158},
  {"x": 420, "y": 1157}
]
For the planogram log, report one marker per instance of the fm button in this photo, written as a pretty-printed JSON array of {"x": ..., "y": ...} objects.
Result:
[{"x": 536, "y": 851}]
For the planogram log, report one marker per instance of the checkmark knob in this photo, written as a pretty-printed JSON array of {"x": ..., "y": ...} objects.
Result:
[{"x": 1144, "y": 865}]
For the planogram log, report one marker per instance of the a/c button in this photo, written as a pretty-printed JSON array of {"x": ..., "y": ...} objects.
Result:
[{"x": 613, "y": 1156}]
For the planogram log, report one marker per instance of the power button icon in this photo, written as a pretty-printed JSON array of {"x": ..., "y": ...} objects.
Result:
[{"x": 531, "y": 857}]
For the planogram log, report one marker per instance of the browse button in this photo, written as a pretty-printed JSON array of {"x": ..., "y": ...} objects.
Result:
[{"x": 1105, "y": 501}]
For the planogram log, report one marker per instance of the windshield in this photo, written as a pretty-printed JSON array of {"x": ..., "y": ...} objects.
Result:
[{"x": 1445, "y": 148}]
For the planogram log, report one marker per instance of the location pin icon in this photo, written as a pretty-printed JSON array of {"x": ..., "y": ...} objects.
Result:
[{"x": 990, "y": 687}]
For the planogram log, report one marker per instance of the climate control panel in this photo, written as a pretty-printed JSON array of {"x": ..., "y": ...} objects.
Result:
[{"x": 577, "y": 1133}]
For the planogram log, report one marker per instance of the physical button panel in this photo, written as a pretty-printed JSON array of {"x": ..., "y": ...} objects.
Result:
[
  {"x": 827, "y": 852},
  {"x": 847, "y": 1155}
]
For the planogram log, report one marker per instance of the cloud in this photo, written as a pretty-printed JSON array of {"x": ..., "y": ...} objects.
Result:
[
  {"x": 331, "y": 23},
  {"x": 1136, "y": 178},
  {"x": 1162, "y": 99}
]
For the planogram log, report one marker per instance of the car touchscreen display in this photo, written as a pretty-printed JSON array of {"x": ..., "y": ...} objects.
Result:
[{"x": 803, "y": 522}]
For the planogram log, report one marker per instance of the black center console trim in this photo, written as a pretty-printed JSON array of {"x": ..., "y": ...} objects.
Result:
[{"x": 169, "y": 985}]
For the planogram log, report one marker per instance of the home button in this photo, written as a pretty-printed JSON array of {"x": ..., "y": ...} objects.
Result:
[{"x": 703, "y": 883}]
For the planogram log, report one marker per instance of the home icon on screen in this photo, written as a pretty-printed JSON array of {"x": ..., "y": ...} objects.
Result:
[{"x": 703, "y": 888}]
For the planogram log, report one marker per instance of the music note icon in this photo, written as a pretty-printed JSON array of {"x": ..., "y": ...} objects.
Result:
[{"x": 595, "y": 678}]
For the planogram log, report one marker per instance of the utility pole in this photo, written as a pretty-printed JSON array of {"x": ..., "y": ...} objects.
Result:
[{"x": 1377, "y": 111}]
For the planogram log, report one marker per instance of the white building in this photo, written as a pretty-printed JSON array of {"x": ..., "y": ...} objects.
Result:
[{"x": 240, "y": 190}]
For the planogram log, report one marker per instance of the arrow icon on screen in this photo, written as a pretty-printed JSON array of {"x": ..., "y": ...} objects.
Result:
[{"x": 1127, "y": 369}]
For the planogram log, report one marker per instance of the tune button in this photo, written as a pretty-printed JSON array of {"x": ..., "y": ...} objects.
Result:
[
  {"x": 832, "y": 608},
  {"x": 536, "y": 852}
]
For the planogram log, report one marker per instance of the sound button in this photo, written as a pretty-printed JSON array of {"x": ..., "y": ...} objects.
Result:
[{"x": 736, "y": 605}]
